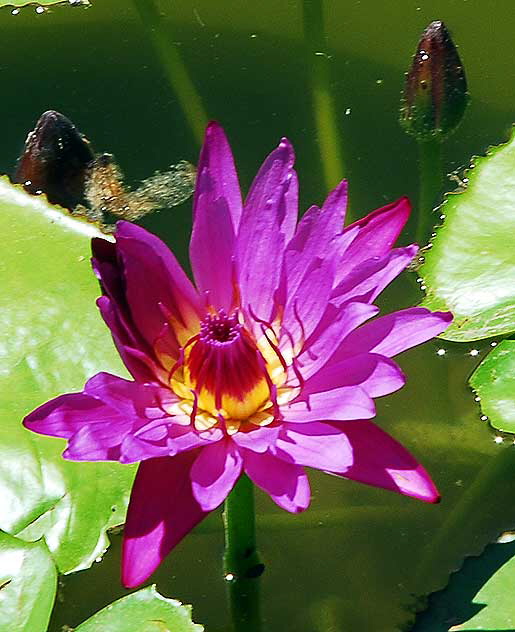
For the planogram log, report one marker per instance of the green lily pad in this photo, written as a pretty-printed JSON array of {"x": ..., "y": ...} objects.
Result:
[
  {"x": 470, "y": 268},
  {"x": 497, "y": 597},
  {"x": 494, "y": 382},
  {"x": 143, "y": 611},
  {"x": 28, "y": 582},
  {"x": 478, "y": 597},
  {"x": 53, "y": 340}
]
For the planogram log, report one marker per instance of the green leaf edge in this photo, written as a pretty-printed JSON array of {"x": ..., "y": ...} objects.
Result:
[
  {"x": 149, "y": 593},
  {"x": 484, "y": 374},
  {"x": 454, "y": 332}
]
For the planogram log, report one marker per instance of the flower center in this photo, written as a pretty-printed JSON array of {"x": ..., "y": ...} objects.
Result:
[{"x": 225, "y": 369}]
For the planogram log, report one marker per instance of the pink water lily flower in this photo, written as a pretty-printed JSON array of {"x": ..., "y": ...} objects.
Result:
[{"x": 267, "y": 365}]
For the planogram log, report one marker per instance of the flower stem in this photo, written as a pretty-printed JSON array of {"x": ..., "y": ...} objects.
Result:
[
  {"x": 323, "y": 101},
  {"x": 430, "y": 167},
  {"x": 176, "y": 72},
  {"x": 241, "y": 561}
]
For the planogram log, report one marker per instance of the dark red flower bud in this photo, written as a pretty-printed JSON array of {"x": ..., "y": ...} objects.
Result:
[
  {"x": 55, "y": 161},
  {"x": 435, "y": 94}
]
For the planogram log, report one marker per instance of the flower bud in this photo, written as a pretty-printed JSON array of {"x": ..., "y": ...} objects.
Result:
[
  {"x": 55, "y": 160},
  {"x": 435, "y": 93}
]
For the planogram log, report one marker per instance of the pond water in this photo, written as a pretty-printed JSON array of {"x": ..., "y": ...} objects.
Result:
[{"x": 359, "y": 558}]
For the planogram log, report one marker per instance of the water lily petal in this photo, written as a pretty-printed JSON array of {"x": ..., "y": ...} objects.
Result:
[
  {"x": 212, "y": 248},
  {"x": 162, "y": 510},
  {"x": 315, "y": 236},
  {"x": 267, "y": 224},
  {"x": 286, "y": 484},
  {"x": 154, "y": 278},
  {"x": 214, "y": 473},
  {"x": 216, "y": 160},
  {"x": 347, "y": 402},
  {"x": 374, "y": 373},
  {"x": 381, "y": 461},
  {"x": 65, "y": 415},
  {"x": 319, "y": 445},
  {"x": 257, "y": 438},
  {"x": 129, "y": 398},
  {"x": 307, "y": 305},
  {"x": 378, "y": 231},
  {"x": 95, "y": 442},
  {"x": 139, "y": 364},
  {"x": 396, "y": 332},
  {"x": 333, "y": 328},
  {"x": 369, "y": 279}
]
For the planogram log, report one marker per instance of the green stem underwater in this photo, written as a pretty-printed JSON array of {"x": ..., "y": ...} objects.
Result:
[
  {"x": 324, "y": 110},
  {"x": 431, "y": 179},
  {"x": 242, "y": 567},
  {"x": 160, "y": 33}
]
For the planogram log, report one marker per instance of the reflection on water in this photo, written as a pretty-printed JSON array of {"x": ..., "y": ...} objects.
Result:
[{"x": 359, "y": 558}]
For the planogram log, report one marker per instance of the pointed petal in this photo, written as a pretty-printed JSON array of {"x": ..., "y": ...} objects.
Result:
[
  {"x": 214, "y": 473},
  {"x": 132, "y": 399},
  {"x": 318, "y": 445},
  {"x": 267, "y": 223},
  {"x": 369, "y": 279},
  {"x": 332, "y": 329},
  {"x": 396, "y": 332},
  {"x": 378, "y": 232},
  {"x": 162, "y": 510},
  {"x": 381, "y": 461},
  {"x": 347, "y": 402},
  {"x": 216, "y": 160},
  {"x": 374, "y": 373},
  {"x": 155, "y": 284},
  {"x": 258, "y": 438},
  {"x": 65, "y": 415},
  {"x": 306, "y": 306},
  {"x": 97, "y": 441},
  {"x": 286, "y": 484},
  {"x": 333, "y": 211},
  {"x": 134, "y": 353},
  {"x": 212, "y": 249}
]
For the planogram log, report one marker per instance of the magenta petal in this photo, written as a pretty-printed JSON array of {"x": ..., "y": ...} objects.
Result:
[
  {"x": 258, "y": 438},
  {"x": 307, "y": 305},
  {"x": 217, "y": 161},
  {"x": 378, "y": 231},
  {"x": 127, "y": 397},
  {"x": 67, "y": 414},
  {"x": 212, "y": 248},
  {"x": 153, "y": 277},
  {"x": 368, "y": 280},
  {"x": 332, "y": 329},
  {"x": 162, "y": 510},
  {"x": 347, "y": 402},
  {"x": 381, "y": 461},
  {"x": 374, "y": 373},
  {"x": 267, "y": 223},
  {"x": 138, "y": 362},
  {"x": 96, "y": 442},
  {"x": 314, "y": 237},
  {"x": 214, "y": 473},
  {"x": 318, "y": 445},
  {"x": 286, "y": 484},
  {"x": 396, "y": 332}
]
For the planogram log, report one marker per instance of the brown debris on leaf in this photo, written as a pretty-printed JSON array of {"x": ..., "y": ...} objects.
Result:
[{"x": 58, "y": 160}]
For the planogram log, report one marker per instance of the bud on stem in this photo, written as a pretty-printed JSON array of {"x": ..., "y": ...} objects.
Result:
[
  {"x": 435, "y": 93},
  {"x": 55, "y": 160}
]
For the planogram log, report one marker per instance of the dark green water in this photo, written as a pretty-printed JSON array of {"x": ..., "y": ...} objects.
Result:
[{"x": 360, "y": 557}]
